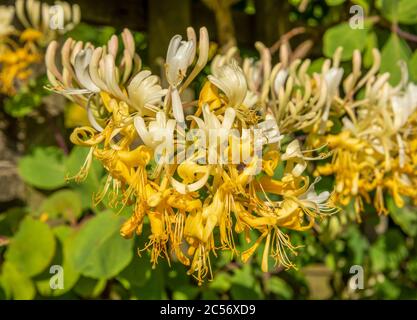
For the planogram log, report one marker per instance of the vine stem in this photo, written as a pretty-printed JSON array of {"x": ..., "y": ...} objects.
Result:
[
  {"x": 59, "y": 138},
  {"x": 403, "y": 34}
]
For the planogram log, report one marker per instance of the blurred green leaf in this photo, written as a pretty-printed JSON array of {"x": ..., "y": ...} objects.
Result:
[
  {"x": 32, "y": 248},
  {"x": 92, "y": 184},
  {"x": 412, "y": 269},
  {"x": 279, "y": 287},
  {"x": 65, "y": 235},
  {"x": 245, "y": 285},
  {"x": 99, "y": 250},
  {"x": 65, "y": 203},
  {"x": 10, "y": 220},
  {"x": 44, "y": 168},
  {"x": 27, "y": 98},
  {"x": 388, "y": 251},
  {"x": 209, "y": 295},
  {"x": 153, "y": 289},
  {"x": 405, "y": 217},
  {"x": 334, "y": 2},
  {"x": 90, "y": 288},
  {"x": 316, "y": 66},
  {"x": 136, "y": 273},
  {"x": 371, "y": 43},
  {"x": 185, "y": 292},
  {"x": 401, "y": 11},
  {"x": 388, "y": 289},
  {"x": 344, "y": 36},
  {"x": 221, "y": 282},
  {"x": 97, "y": 35},
  {"x": 413, "y": 67},
  {"x": 357, "y": 243},
  {"x": 16, "y": 284},
  {"x": 394, "y": 50},
  {"x": 363, "y": 3}
]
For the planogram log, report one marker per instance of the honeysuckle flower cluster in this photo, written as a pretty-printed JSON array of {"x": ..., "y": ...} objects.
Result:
[
  {"x": 199, "y": 172},
  {"x": 373, "y": 153},
  {"x": 21, "y": 51},
  {"x": 375, "y": 150}
]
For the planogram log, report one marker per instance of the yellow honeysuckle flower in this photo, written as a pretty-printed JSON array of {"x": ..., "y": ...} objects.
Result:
[
  {"x": 201, "y": 179},
  {"x": 30, "y": 35}
]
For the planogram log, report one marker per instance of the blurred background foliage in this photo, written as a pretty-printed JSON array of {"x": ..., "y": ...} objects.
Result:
[{"x": 45, "y": 220}]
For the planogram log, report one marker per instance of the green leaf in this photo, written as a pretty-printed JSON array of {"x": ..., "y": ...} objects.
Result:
[
  {"x": 371, "y": 43},
  {"x": 316, "y": 66},
  {"x": 279, "y": 287},
  {"x": 401, "y": 11},
  {"x": 412, "y": 269},
  {"x": 98, "y": 35},
  {"x": 363, "y": 3},
  {"x": 245, "y": 285},
  {"x": 209, "y": 295},
  {"x": 99, "y": 250},
  {"x": 405, "y": 217},
  {"x": 388, "y": 289},
  {"x": 413, "y": 67},
  {"x": 221, "y": 282},
  {"x": 65, "y": 235},
  {"x": 10, "y": 220},
  {"x": 153, "y": 289},
  {"x": 89, "y": 288},
  {"x": 91, "y": 185},
  {"x": 136, "y": 273},
  {"x": 334, "y": 2},
  {"x": 357, "y": 243},
  {"x": 16, "y": 284},
  {"x": 43, "y": 169},
  {"x": 27, "y": 98},
  {"x": 32, "y": 248},
  {"x": 388, "y": 251},
  {"x": 344, "y": 36},
  {"x": 394, "y": 50},
  {"x": 185, "y": 292},
  {"x": 65, "y": 203}
]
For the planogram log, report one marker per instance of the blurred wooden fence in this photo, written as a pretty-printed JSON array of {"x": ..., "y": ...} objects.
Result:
[{"x": 162, "y": 19}]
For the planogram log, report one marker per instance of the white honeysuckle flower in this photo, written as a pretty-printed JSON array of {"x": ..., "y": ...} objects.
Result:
[
  {"x": 211, "y": 126},
  {"x": 231, "y": 80},
  {"x": 250, "y": 100},
  {"x": 332, "y": 79},
  {"x": 279, "y": 80},
  {"x": 6, "y": 18},
  {"x": 293, "y": 153},
  {"x": 253, "y": 71},
  {"x": 145, "y": 92},
  {"x": 203, "y": 52},
  {"x": 111, "y": 77},
  {"x": 313, "y": 200},
  {"x": 180, "y": 55},
  {"x": 211, "y": 122},
  {"x": 404, "y": 105},
  {"x": 269, "y": 130},
  {"x": 220, "y": 60},
  {"x": 177, "y": 108},
  {"x": 348, "y": 125},
  {"x": 81, "y": 67},
  {"x": 380, "y": 89},
  {"x": 159, "y": 131}
]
